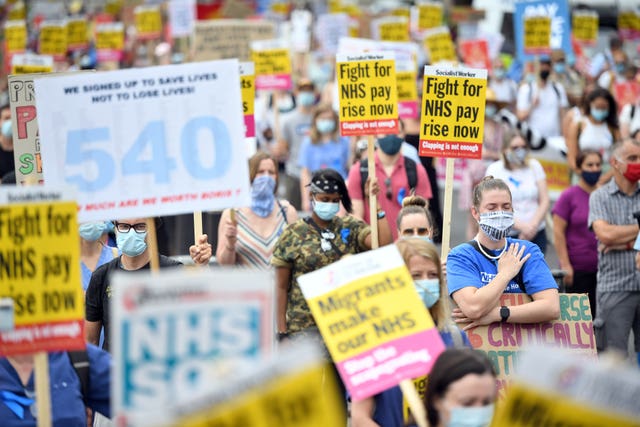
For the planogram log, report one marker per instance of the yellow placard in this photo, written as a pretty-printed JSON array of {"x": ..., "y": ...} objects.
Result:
[
  {"x": 113, "y": 7},
  {"x": 394, "y": 31},
  {"x": 527, "y": 407},
  {"x": 40, "y": 257},
  {"x": 429, "y": 16},
  {"x": 281, "y": 7},
  {"x": 407, "y": 89},
  {"x": 77, "y": 33},
  {"x": 368, "y": 95},
  {"x": 53, "y": 40},
  {"x": 15, "y": 35},
  {"x": 404, "y": 12},
  {"x": 290, "y": 401},
  {"x": 109, "y": 39},
  {"x": 384, "y": 309},
  {"x": 271, "y": 61},
  {"x": 421, "y": 387},
  {"x": 17, "y": 12},
  {"x": 148, "y": 22},
  {"x": 248, "y": 94},
  {"x": 558, "y": 175},
  {"x": 440, "y": 47},
  {"x": 537, "y": 34},
  {"x": 30, "y": 69},
  {"x": 452, "y": 117}
]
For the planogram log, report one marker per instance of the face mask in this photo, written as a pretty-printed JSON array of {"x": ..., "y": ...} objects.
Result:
[
  {"x": 633, "y": 172},
  {"x": 558, "y": 68},
  {"x": 325, "y": 125},
  {"x": 262, "y": 196},
  {"x": 516, "y": 156},
  {"x": 530, "y": 78},
  {"x": 306, "y": 99},
  {"x": 620, "y": 68},
  {"x": 471, "y": 416},
  {"x": 131, "y": 243},
  {"x": 498, "y": 73},
  {"x": 496, "y": 225},
  {"x": 91, "y": 231},
  {"x": 429, "y": 291},
  {"x": 591, "y": 178},
  {"x": 6, "y": 129},
  {"x": 326, "y": 210},
  {"x": 490, "y": 111},
  {"x": 390, "y": 144},
  {"x": 544, "y": 74},
  {"x": 285, "y": 104},
  {"x": 599, "y": 115}
]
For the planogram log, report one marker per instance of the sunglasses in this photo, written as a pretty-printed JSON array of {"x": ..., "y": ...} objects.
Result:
[{"x": 387, "y": 183}]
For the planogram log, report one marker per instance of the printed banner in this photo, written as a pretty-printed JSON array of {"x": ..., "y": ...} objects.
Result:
[
  {"x": 109, "y": 41},
  {"x": 368, "y": 94},
  {"x": 438, "y": 43},
  {"x": 272, "y": 64},
  {"x": 374, "y": 325},
  {"x": 170, "y": 331},
  {"x": 148, "y": 22},
  {"x": 279, "y": 392},
  {"x": 329, "y": 30},
  {"x": 27, "y": 63},
  {"x": 452, "y": 119},
  {"x": 558, "y": 176},
  {"x": 15, "y": 36},
  {"x": 626, "y": 93},
  {"x": 229, "y": 38},
  {"x": 53, "y": 39},
  {"x": 557, "y": 10},
  {"x": 475, "y": 54},
  {"x": 146, "y": 141},
  {"x": 585, "y": 27},
  {"x": 40, "y": 270},
  {"x": 77, "y": 33},
  {"x": 537, "y": 35},
  {"x": 428, "y": 15},
  {"x": 391, "y": 28},
  {"x": 247, "y": 83},
  {"x": 629, "y": 24},
  {"x": 503, "y": 342},
  {"x": 406, "y": 78}
]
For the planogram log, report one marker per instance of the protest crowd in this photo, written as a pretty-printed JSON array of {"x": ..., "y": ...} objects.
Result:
[{"x": 266, "y": 188}]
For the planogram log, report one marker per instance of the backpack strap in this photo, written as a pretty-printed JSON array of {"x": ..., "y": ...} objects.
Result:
[
  {"x": 283, "y": 211},
  {"x": 364, "y": 174},
  {"x": 412, "y": 173},
  {"x": 633, "y": 112},
  {"x": 80, "y": 362},
  {"x": 518, "y": 279},
  {"x": 556, "y": 90}
]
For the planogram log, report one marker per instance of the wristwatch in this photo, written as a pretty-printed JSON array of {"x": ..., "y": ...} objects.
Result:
[
  {"x": 381, "y": 214},
  {"x": 504, "y": 313}
]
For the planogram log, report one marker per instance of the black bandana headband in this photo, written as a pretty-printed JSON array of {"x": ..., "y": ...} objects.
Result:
[{"x": 324, "y": 185}]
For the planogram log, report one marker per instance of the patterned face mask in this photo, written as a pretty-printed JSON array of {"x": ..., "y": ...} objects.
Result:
[{"x": 496, "y": 225}]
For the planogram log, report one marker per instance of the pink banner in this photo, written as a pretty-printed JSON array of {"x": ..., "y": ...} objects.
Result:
[
  {"x": 274, "y": 82},
  {"x": 108, "y": 55},
  {"x": 408, "y": 109},
  {"x": 387, "y": 365},
  {"x": 249, "y": 126}
]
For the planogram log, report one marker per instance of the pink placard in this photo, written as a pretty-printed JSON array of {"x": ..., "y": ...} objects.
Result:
[
  {"x": 274, "y": 82},
  {"x": 408, "y": 109},
  {"x": 249, "y": 126}
]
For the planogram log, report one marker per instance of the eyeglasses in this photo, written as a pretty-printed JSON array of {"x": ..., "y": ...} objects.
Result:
[
  {"x": 387, "y": 183},
  {"x": 139, "y": 228}
]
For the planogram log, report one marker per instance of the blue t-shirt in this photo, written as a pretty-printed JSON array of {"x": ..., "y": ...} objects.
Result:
[
  {"x": 388, "y": 411},
  {"x": 66, "y": 396},
  {"x": 468, "y": 267},
  {"x": 334, "y": 154},
  {"x": 106, "y": 254}
]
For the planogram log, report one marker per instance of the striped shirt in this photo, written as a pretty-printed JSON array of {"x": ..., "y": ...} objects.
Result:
[
  {"x": 252, "y": 249},
  {"x": 616, "y": 269}
]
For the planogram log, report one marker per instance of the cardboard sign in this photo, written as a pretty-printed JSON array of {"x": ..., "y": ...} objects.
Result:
[
  {"x": 391, "y": 28},
  {"x": 109, "y": 41},
  {"x": 404, "y": 11},
  {"x": 475, "y": 54},
  {"x": 452, "y": 118},
  {"x": 406, "y": 78},
  {"x": 537, "y": 35},
  {"x": 368, "y": 94},
  {"x": 428, "y": 15},
  {"x": 170, "y": 329},
  {"x": 40, "y": 270},
  {"x": 439, "y": 45},
  {"x": 15, "y": 36},
  {"x": 272, "y": 64},
  {"x": 182, "y": 17},
  {"x": 53, "y": 39},
  {"x": 148, "y": 22},
  {"x": 585, "y": 27},
  {"x": 229, "y": 38},
  {"x": 77, "y": 33},
  {"x": 626, "y": 93},
  {"x": 28, "y": 63},
  {"x": 146, "y": 141},
  {"x": 17, "y": 11},
  {"x": 503, "y": 342},
  {"x": 558, "y": 176},
  {"x": 557, "y": 10},
  {"x": 374, "y": 325},
  {"x": 629, "y": 24},
  {"x": 247, "y": 84},
  {"x": 279, "y": 392}
]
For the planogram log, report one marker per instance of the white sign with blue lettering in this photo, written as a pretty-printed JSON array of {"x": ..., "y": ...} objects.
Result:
[
  {"x": 172, "y": 332},
  {"x": 146, "y": 141}
]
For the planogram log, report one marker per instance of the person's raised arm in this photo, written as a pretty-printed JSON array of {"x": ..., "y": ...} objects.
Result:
[
  {"x": 283, "y": 279},
  {"x": 571, "y": 141},
  {"x": 201, "y": 252}
]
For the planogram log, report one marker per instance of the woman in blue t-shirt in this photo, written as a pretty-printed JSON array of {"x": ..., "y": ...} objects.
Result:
[
  {"x": 480, "y": 271},
  {"x": 421, "y": 257}
]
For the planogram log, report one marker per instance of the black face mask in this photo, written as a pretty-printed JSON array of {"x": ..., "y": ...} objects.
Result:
[{"x": 544, "y": 74}]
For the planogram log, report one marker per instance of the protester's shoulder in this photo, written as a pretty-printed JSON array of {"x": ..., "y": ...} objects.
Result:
[
  {"x": 462, "y": 250},
  {"x": 495, "y": 168},
  {"x": 105, "y": 269},
  {"x": 530, "y": 247},
  {"x": 166, "y": 261},
  {"x": 536, "y": 167}
]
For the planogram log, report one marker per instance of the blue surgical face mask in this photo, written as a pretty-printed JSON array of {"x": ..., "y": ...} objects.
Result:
[
  {"x": 530, "y": 78},
  {"x": 91, "y": 231},
  {"x": 131, "y": 243},
  {"x": 473, "y": 416},
  {"x": 428, "y": 290},
  {"x": 326, "y": 211},
  {"x": 490, "y": 111},
  {"x": 620, "y": 67},
  {"x": 559, "y": 68},
  {"x": 325, "y": 125},
  {"x": 7, "y": 131},
  {"x": 599, "y": 115},
  {"x": 499, "y": 73},
  {"x": 262, "y": 196},
  {"x": 306, "y": 99}
]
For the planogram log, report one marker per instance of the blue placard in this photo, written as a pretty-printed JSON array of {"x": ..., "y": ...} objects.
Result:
[{"x": 558, "y": 10}]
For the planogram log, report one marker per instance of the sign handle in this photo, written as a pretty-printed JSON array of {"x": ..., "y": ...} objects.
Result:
[
  {"x": 152, "y": 242},
  {"x": 197, "y": 225},
  {"x": 415, "y": 403},
  {"x": 232, "y": 216},
  {"x": 446, "y": 213},
  {"x": 373, "y": 209},
  {"x": 43, "y": 396}
]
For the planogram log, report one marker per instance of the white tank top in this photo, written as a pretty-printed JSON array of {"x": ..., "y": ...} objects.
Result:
[{"x": 595, "y": 137}]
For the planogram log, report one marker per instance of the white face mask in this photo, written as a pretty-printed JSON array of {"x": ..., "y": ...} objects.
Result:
[{"x": 496, "y": 225}]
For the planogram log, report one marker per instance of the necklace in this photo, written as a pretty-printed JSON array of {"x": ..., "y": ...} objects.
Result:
[{"x": 491, "y": 256}]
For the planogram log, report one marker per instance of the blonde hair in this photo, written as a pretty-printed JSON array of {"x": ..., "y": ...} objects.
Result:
[
  {"x": 441, "y": 310},
  {"x": 509, "y": 136}
]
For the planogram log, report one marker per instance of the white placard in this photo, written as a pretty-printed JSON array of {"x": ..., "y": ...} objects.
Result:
[{"x": 182, "y": 17}]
